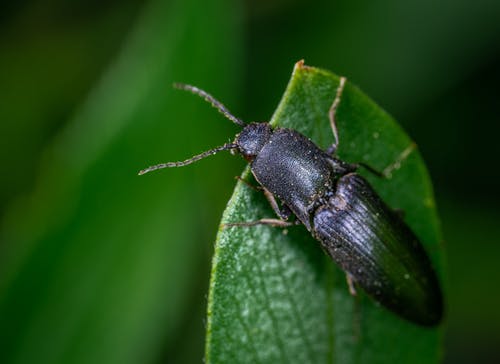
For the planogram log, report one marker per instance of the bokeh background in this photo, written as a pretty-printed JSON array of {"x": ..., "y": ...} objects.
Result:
[{"x": 98, "y": 265}]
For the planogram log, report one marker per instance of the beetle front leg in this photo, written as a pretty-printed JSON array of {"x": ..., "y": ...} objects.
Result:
[
  {"x": 283, "y": 213},
  {"x": 253, "y": 187}
]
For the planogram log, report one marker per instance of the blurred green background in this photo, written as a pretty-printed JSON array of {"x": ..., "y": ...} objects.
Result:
[{"x": 98, "y": 265}]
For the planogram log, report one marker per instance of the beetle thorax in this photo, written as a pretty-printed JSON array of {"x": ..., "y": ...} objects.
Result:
[{"x": 252, "y": 139}]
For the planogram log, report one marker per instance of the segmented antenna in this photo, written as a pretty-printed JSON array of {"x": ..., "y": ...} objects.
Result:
[
  {"x": 217, "y": 104},
  {"x": 208, "y": 153}
]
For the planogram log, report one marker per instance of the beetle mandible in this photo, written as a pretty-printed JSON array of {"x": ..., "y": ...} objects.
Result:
[{"x": 364, "y": 236}]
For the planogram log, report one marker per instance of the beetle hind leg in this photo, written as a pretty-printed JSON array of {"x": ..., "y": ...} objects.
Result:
[{"x": 351, "y": 284}]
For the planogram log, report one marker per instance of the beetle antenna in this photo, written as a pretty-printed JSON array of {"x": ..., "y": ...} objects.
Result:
[
  {"x": 196, "y": 158},
  {"x": 217, "y": 104}
]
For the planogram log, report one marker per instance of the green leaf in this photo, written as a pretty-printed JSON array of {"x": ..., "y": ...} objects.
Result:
[{"x": 275, "y": 297}]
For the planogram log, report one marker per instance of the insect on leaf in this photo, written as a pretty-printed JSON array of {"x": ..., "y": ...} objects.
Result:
[{"x": 275, "y": 296}]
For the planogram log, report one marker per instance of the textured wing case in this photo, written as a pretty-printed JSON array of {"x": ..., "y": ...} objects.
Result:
[{"x": 357, "y": 229}]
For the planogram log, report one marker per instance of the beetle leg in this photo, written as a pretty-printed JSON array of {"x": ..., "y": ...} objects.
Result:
[
  {"x": 284, "y": 212},
  {"x": 271, "y": 222},
  {"x": 371, "y": 169},
  {"x": 356, "y": 324},
  {"x": 350, "y": 284},
  {"x": 256, "y": 188},
  {"x": 331, "y": 114},
  {"x": 387, "y": 172}
]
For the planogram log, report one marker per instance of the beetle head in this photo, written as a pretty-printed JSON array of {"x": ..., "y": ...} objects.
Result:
[
  {"x": 252, "y": 139},
  {"x": 249, "y": 142}
]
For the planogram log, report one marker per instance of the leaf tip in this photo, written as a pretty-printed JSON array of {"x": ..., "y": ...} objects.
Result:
[{"x": 299, "y": 64}]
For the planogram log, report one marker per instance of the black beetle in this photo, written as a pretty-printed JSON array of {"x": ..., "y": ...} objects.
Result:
[{"x": 365, "y": 237}]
